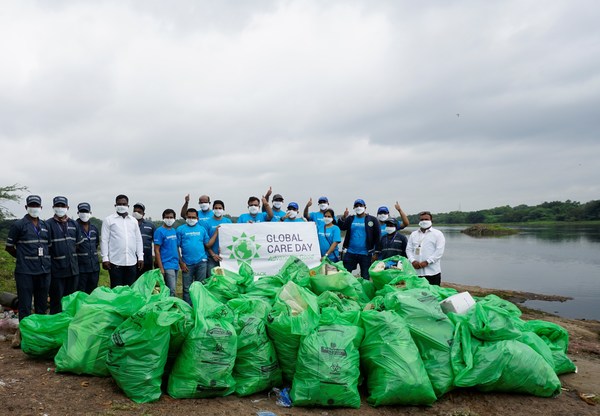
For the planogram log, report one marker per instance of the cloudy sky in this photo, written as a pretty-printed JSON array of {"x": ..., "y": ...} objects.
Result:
[{"x": 439, "y": 105}]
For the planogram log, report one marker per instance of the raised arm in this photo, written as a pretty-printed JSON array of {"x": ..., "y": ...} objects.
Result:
[
  {"x": 184, "y": 208},
  {"x": 308, "y": 205}
]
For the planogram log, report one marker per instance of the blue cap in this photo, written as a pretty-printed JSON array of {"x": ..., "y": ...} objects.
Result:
[
  {"x": 33, "y": 199},
  {"x": 383, "y": 209},
  {"x": 60, "y": 200},
  {"x": 360, "y": 202},
  {"x": 84, "y": 206},
  {"x": 293, "y": 205},
  {"x": 323, "y": 199}
]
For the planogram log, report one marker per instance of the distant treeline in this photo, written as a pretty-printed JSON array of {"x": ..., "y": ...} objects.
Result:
[{"x": 547, "y": 211}]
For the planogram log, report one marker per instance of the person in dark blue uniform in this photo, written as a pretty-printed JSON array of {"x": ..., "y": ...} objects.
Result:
[
  {"x": 29, "y": 241},
  {"x": 147, "y": 230},
  {"x": 65, "y": 235},
  {"x": 87, "y": 251},
  {"x": 392, "y": 242}
]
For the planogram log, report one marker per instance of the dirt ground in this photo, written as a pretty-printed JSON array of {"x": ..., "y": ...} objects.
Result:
[{"x": 31, "y": 387}]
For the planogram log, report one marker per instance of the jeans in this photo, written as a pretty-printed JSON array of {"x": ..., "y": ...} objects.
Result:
[
  {"x": 196, "y": 273},
  {"x": 59, "y": 288},
  {"x": 88, "y": 281},
  {"x": 351, "y": 260},
  {"x": 171, "y": 280},
  {"x": 32, "y": 287},
  {"x": 122, "y": 275}
]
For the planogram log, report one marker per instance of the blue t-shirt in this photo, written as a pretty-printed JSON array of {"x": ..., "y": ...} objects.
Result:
[
  {"x": 317, "y": 217},
  {"x": 358, "y": 237},
  {"x": 204, "y": 215},
  {"x": 211, "y": 226},
  {"x": 277, "y": 214},
  {"x": 166, "y": 238},
  {"x": 244, "y": 218},
  {"x": 191, "y": 241},
  {"x": 297, "y": 219},
  {"x": 328, "y": 236}
]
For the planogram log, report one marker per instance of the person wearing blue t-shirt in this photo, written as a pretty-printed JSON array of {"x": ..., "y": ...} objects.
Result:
[
  {"x": 254, "y": 214},
  {"x": 329, "y": 237},
  {"x": 383, "y": 214},
  {"x": 317, "y": 216},
  {"x": 291, "y": 215},
  {"x": 363, "y": 235},
  {"x": 191, "y": 240},
  {"x": 204, "y": 211},
  {"x": 165, "y": 250},
  {"x": 277, "y": 206},
  {"x": 218, "y": 219}
]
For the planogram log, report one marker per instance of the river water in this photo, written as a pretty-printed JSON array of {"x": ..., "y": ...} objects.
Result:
[{"x": 555, "y": 260}]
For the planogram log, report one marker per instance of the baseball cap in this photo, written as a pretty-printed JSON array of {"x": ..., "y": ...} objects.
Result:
[
  {"x": 33, "y": 199},
  {"x": 277, "y": 197},
  {"x": 139, "y": 204},
  {"x": 323, "y": 199},
  {"x": 60, "y": 200},
  {"x": 383, "y": 209},
  {"x": 293, "y": 205},
  {"x": 391, "y": 223},
  {"x": 84, "y": 206},
  {"x": 360, "y": 202}
]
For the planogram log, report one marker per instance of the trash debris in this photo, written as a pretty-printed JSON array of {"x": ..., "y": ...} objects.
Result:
[
  {"x": 283, "y": 396},
  {"x": 265, "y": 413},
  {"x": 590, "y": 398}
]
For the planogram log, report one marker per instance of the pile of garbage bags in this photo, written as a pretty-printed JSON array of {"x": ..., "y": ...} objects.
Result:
[{"x": 321, "y": 331}]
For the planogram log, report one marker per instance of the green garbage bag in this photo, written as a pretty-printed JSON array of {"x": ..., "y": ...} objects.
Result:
[
  {"x": 266, "y": 287},
  {"x": 256, "y": 366},
  {"x": 337, "y": 301},
  {"x": 43, "y": 335},
  {"x": 557, "y": 339},
  {"x": 139, "y": 347},
  {"x": 368, "y": 288},
  {"x": 328, "y": 276},
  {"x": 85, "y": 348},
  {"x": 416, "y": 282},
  {"x": 225, "y": 284},
  {"x": 204, "y": 365},
  {"x": 295, "y": 270},
  {"x": 295, "y": 313},
  {"x": 151, "y": 285},
  {"x": 494, "y": 319},
  {"x": 432, "y": 331},
  {"x": 328, "y": 368},
  {"x": 384, "y": 271},
  {"x": 395, "y": 372}
]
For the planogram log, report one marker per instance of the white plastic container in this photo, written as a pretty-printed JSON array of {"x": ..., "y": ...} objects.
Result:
[{"x": 459, "y": 303}]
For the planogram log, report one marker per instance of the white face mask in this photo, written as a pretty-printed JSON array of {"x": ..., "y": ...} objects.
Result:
[
  {"x": 292, "y": 214},
  {"x": 60, "y": 212},
  {"x": 253, "y": 209},
  {"x": 424, "y": 224},
  {"x": 327, "y": 220},
  {"x": 323, "y": 206},
  {"x": 359, "y": 210},
  {"x": 191, "y": 221},
  {"x": 137, "y": 215},
  {"x": 382, "y": 217},
  {"x": 34, "y": 212},
  {"x": 204, "y": 206},
  {"x": 85, "y": 216},
  {"x": 122, "y": 209},
  {"x": 218, "y": 212},
  {"x": 390, "y": 230},
  {"x": 277, "y": 204},
  {"x": 169, "y": 221}
]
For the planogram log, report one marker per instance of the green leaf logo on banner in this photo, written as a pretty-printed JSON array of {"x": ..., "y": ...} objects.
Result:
[{"x": 244, "y": 249}]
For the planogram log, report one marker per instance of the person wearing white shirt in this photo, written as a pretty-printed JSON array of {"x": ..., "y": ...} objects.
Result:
[
  {"x": 425, "y": 249},
  {"x": 121, "y": 245}
]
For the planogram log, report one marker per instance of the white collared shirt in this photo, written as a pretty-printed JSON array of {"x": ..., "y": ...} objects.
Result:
[
  {"x": 430, "y": 247},
  {"x": 121, "y": 240}
]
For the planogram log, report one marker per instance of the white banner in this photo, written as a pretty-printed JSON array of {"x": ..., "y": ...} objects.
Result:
[{"x": 266, "y": 246}]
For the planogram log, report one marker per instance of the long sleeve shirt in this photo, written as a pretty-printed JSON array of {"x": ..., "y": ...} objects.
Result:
[
  {"x": 426, "y": 246},
  {"x": 121, "y": 240}
]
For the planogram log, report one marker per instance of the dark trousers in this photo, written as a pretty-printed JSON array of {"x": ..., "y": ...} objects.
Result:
[
  {"x": 351, "y": 260},
  {"x": 59, "y": 288},
  {"x": 147, "y": 266},
  {"x": 32, "y": 287},
  {"x": 434, "y": 279},
  {"x": 88, "y": 281},
  {"x": 122, "y": 275}
]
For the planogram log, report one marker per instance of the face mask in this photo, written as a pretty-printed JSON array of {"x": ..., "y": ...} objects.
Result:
[
  {"x": 85, "y": 216},
  {"x": 359, "y": 210},
  {"x": 382, "y": 217},
  {"x": 122, "y": 209},
  {"x": 137, "y": 215},
  {"x": 252, "y": 209},
  {"x": 424, "y": 224},
  {"x": 60, "y": 212},
  {"x": 218, "y": 212},
  {"x": 191, "y": 221},
  {"x": 390, "y": 230},
  {"x": 277, "y": 204},
  {"x": 327, "y": 220},
  {"x": 204, "y": 206},
  {"x": 323, "y": 206},
  {"x": 169, "y": 221},
  {"x": 34, "y": 212},
  {"x": 292, "y": 214}
]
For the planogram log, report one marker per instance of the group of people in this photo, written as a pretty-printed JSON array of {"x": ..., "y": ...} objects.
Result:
[{"x": 58, "y": 256}]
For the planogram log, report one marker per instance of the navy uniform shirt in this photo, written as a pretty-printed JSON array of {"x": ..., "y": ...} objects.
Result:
[
  {"x": 87, "y": 251},
  {"x": 393, "y": 245},
  {"x": 64, "y": 238},
  {"x": 147, "y": 230},
  {"x": 32, "y": 245}
]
